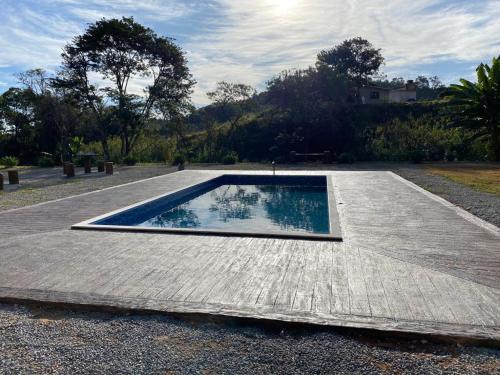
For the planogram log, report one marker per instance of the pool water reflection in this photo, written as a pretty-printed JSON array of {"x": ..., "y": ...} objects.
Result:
[{"x": 235, "y": 207}]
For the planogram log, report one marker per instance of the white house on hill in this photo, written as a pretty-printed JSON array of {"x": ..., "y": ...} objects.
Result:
[{"x": 379, "y": 95}]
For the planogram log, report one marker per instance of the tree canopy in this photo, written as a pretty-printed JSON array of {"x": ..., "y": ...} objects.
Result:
[
  {"x": 356, "y": 58},
  {"x": 121, "y": 51},
  {"x": 476, "y": 106}
]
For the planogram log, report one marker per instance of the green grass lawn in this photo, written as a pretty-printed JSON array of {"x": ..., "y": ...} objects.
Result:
[{"x": 484, "y": 178}]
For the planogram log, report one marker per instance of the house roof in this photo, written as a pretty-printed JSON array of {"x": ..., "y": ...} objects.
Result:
[
  {"x": 375, "y": 88},
  {"x": 371, "y": 87}
]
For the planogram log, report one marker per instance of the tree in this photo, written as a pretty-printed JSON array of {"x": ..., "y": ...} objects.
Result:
[
  {"x": 310, "y": 99},
  {"x": 121, "y": 51},
  {"x": 428, "y": 88},
  {"x": 56, "y": 117},
  {"x": 37, "y": 80},
  {"x": 355, "y": 58},
  {"x": 173, "y": 118},
  {"x": 477, "y": 105},
  {"x": 17, "y": 113},
  {"x": 234, "y": 98}
]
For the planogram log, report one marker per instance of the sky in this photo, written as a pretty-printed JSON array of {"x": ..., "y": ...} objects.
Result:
[{"x": 249, "y": 41}]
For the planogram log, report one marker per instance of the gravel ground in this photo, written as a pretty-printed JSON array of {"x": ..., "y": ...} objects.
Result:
[
  {"x": 46, "y": 184},
  {"x": 56, "y": 341},
  {"x": 483, "y": 205}
]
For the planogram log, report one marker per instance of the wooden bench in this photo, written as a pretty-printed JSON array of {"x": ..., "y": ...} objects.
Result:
[{"x": 326, "y": 156}]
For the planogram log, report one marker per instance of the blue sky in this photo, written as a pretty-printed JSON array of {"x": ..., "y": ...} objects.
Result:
[{"x": 251, "y": 40}]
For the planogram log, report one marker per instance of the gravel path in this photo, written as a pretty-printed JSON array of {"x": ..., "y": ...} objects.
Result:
[
  {"x": 56, "y": 341},
  {"x": 40, "y": 185},
  {"x": 484, "y": 205}
]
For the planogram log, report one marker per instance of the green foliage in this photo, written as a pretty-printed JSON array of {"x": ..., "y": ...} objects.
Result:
[
  {"x": 393, "y": 132},
  {"x": 45, "y": 162},
  {"x": 355, "y": 58},
  {"x": 230, "y": 158},
  {"x": 121, "y": 50},
  {"x": 75, "y": 145},
  {"x": 346, "y": 158},
  {"x": 476, "y": 106},
  {"x": 416, "y": 156},
  {"x": 179, "y": 159},
  {"x": 17, "y": 114},
  {"x": 417, "y": 139},
  {"x": 9, "y": 161},
  {"x": 150, "y": 148}
]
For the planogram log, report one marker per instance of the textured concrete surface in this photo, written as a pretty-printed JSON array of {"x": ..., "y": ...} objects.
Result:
[{"x": 410, "y": 262}]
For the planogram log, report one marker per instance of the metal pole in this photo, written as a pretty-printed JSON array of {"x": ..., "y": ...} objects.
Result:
[{"x": 274, "y": 168}]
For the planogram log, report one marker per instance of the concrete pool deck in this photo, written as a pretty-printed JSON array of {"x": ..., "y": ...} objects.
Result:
[{"x": 410, "y": 261}]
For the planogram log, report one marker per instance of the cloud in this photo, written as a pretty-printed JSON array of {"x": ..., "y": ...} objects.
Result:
[
  {"x": 251, "y": 40},
  {"x": 254, "y": 39},
  {"x": 33, "y": 33}
]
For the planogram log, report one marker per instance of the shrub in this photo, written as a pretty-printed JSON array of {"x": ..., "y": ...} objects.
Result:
[
  {"x": 129, "y": 160},
  {"x": 416, "y": 156},
  {"x": 178, "y": 159},
  {"x": 78, "y": 161},
  {"x": 450, "y": 156},
  {"x": 346, "y": 158},
  {"x": 9, "y": 161},
  {"x": 45, "y": 162},
  {"x": 230, "y": 158}
]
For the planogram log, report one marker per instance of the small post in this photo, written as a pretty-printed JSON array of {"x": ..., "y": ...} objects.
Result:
[
  {"x": 274, "y": 168},
  {"x": 327, "y": 157},
  {"x": 13, "y": 176},
  {"x": 109, "y": 167},
  {"x": 100, "y": 166},
  {"x": 1, "y": 181},
  {"x": 87, "y": 165},
  {"x": 70, "y": 170},
  {"x": 181, "y": 167}
]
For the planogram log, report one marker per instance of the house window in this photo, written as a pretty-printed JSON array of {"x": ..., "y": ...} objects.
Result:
[{"x": 374, "y": 95}]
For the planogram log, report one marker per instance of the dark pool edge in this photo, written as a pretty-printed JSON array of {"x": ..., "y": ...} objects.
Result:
[{"x": 210, "y": 232}]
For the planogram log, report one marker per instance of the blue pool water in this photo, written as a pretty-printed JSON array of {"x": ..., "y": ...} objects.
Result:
[{"x": 238, "y": 205}]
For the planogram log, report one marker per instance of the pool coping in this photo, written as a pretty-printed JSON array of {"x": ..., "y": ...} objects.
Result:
[{"x": 333, "y": 217}]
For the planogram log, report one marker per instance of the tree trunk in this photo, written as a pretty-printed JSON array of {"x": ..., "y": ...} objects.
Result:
[
  {"x": 126, "y": 143},
  {"x": 494, "y": 145},
  {"x": 125, "y": 146},
  {"x": 105, "y": 148}
]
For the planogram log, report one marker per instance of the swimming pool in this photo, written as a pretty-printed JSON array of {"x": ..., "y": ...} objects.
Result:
[{"x": 254, "y": 205}]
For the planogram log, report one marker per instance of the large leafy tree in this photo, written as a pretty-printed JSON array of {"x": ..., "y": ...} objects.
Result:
[
  {"x": 54, "y": 116},
  {"x": 476, "y": 106},
  {"x": 17, "y": 114},
  {"x": 355, "y": 58},
  {"x": 306, "y": 98},
  {"x": 233, "y": 98},
  {"x": 122, "y": 52}
]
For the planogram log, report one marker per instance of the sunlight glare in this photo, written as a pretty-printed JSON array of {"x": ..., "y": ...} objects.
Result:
[{"x": 283, "y": 6}]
